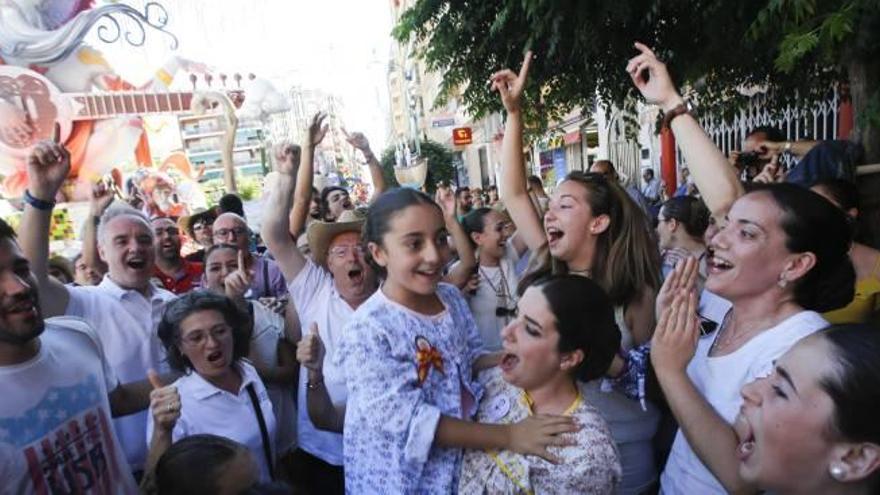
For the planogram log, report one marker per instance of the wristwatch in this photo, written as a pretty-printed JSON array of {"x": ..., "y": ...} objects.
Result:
[{"x": 681, "y": 108}]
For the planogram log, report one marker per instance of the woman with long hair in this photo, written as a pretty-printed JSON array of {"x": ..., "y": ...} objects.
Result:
[{"x": 594, "y": 229}]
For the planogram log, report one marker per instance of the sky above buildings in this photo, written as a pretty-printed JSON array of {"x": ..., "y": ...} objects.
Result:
[{"x": 340, "y": 46}]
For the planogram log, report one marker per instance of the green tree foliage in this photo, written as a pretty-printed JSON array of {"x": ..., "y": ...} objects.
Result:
[
  {"x": 795, "y": 48},
  {"x": 440, "y": 167}
]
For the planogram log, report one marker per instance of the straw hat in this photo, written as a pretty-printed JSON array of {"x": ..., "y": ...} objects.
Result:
[
  {"x": 186, "y": 222},
  {"x": 321, "y": 233}
]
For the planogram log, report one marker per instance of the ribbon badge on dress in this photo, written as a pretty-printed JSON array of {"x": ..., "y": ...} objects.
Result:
[{"x": 427, "y": 356}]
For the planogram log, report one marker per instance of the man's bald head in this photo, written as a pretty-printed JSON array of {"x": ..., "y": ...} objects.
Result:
[{"x": 231, "y": 228}]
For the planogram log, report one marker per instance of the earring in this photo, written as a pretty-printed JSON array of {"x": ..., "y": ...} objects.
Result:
[
  {"x": 782, "y": 282},
  {"x": 837, "y": 472}
]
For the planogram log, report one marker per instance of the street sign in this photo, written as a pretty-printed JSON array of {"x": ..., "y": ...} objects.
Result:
[
  {"x": 462, "y": 136},
  {"x": 443, "y": 122}
]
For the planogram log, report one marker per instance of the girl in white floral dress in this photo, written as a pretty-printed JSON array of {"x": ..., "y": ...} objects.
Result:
[
  {"x": 564, "y": 332},
  {"x": 409, "y": 357}
]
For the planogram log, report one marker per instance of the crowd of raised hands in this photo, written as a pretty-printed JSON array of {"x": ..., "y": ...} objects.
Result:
[{"x": 579, "y": 344}]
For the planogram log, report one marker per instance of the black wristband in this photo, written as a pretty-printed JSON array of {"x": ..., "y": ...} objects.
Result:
[{"x": 37, "y": 203}]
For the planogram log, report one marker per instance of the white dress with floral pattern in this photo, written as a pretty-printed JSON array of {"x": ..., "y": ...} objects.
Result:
[{"x": 403, "y": 370}]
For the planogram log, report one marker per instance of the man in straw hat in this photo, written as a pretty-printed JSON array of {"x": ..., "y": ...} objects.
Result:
[
  {"x": 198, "y": 228},
  {"x": 326, "y": 290}
]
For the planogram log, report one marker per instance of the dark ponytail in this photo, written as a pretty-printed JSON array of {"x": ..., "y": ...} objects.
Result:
[
  {"x": 585, "y": 320},
  {"x": 813, "y": 224},
  {"x": 475, "y": 221},
  {"x": 690, "y": 212},
  {"x": 383, "y": 209}
]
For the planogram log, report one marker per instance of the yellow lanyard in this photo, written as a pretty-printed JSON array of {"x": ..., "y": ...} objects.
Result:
[{"x": 515, "y": 477}]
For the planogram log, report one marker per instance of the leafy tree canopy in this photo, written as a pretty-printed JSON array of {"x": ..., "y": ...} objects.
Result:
[{"x": 792, "y": 47}]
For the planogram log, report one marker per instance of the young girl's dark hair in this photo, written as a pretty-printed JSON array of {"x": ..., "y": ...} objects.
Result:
[
  {"x": 201, "y": 300},
  {"x": 383, "y": 209},
  {"x": 813, "y": 224},
  {"x": 690, "y": 212},
  {"x": 584, "y": 319},
  {"x": 626, "y": 260},
  {"x": 192, "y": 464},
  {"x": 475, "y": 221}
]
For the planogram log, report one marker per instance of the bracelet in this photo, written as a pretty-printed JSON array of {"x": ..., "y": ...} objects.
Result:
[
  {"x": 37, "y": 203},
  {"x": 313, "y": 385},
  {"x": 668, "y": 117}
]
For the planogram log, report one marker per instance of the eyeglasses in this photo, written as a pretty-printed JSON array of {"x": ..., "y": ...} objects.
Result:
[
  {"x": 238, "y": 231},
  {"x": 197, "y": 339},
  {"x": 342, "y": 251}
]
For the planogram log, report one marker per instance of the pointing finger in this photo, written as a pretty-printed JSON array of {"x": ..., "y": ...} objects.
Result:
[{"x": 527, "y": 62}]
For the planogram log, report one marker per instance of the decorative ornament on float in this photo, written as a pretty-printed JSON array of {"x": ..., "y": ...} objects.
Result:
[{"x": 48, "y": 75}]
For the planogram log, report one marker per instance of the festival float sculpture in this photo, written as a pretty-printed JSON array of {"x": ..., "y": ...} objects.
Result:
[{"x": 49, "y": 78}]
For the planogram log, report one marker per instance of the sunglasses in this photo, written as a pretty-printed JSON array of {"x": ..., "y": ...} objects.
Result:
[{"x": 502, "y": 312}]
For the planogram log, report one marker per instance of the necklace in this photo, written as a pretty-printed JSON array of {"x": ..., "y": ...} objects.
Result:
[
  {"x": 584, "y": 273},
  {"x": 723, "y": 339},
  {"x": 502, "y": 292}
]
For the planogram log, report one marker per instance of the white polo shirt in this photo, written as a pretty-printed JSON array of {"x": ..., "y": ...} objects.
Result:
[
  {"x": 316, "y": 300},
  {"x": 204, "y": 408},
  {"x": 125, "y": 323}
]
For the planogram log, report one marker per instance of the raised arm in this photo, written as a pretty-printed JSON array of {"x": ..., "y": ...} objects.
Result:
[
  {"x": 463, "y": 270},
  {"x": 47, "y": 167},
  {"x": 514, "y": 191},
  {"x": 100, "y": 200},
  {"x": 359, "y": 141},
  {"x": 305, "y": 177},
  {"x": 713, "y": 175},
  {"x": 276, "y": 221}
]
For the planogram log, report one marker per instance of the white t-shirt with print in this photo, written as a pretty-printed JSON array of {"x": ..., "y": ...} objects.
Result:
[
  {"x": 125, "y": 322},
  {"x": 56, "y": 433},
  {"x": 719, "y": 380}
]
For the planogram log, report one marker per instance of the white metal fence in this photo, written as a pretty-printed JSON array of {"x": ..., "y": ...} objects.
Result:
[{"x": 817, "y": 122}]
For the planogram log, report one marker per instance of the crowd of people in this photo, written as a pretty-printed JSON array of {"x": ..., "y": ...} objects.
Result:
[{"x": 603, "y": 338}]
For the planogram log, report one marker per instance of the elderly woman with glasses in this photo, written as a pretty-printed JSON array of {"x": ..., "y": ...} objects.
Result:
[{"x": 220, "y": 393}]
